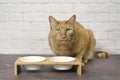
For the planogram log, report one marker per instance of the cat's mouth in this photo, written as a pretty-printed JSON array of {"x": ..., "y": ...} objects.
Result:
[{"x": 63, "y": 41}]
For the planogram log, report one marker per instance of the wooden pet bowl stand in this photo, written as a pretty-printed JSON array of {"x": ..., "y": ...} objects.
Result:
[{"x": 19, "y": 63}]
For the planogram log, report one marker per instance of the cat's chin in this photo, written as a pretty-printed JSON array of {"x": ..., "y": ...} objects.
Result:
[{"x": 63, "y": 42}]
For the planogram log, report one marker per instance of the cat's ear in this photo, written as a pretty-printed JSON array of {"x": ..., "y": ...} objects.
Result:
[
  {"x": 72, "y": 19},
  {"x": 52, "y": 21}
]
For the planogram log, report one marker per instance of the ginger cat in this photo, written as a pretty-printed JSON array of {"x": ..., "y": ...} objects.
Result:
[{"x": 70, "y": 38}]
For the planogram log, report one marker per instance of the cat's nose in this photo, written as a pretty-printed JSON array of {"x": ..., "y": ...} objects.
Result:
[{"x": 63, "y": 35}]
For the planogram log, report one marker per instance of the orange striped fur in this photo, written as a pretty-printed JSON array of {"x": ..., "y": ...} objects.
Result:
[{"x": 70, "y": 38}]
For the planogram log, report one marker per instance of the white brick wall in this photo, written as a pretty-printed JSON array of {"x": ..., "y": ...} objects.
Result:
[{"x": 24, "y": 24}]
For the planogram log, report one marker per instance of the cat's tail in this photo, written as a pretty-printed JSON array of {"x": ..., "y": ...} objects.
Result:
[{"x": 102, "y": 54}]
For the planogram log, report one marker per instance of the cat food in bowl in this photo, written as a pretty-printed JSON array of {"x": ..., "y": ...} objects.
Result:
[
  {"x": 31, "y": 59},
  {"x": 62, "y": 59}
]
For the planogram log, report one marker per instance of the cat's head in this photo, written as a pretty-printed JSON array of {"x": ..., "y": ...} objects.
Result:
[{"x": 62, "y": 31}]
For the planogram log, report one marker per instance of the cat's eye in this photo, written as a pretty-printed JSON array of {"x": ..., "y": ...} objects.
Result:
[
  {"x": 58, "y": 30},
  {"x": 67, "y": 30}
]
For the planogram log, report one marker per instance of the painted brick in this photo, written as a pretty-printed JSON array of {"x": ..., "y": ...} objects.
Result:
[
  {"x": 100, "y": 26},
  {"x": 15, "y": 51},
  {"x": 86, "y": 17},
  {"x": 115, "y": 1},
  {"x": 102, "y": 8},
  {"x": 16, "y": 7},
  {"x": 15, "y": 16},
  {"x": 37, "y": 1},
  {"x": 118, "y": 8},
  {"x": 2, "y": 1},
  {"x": 15, "y": 26},
  {"x": 14, "y": 44},
  {"x": 34, "y": 17},
  {"x": 14, "y": 1},
  {"x": 24, "y": 24},
  {"x": 102, "y": 17},
  {"x": 87, "y": 1},
  {"x": 102, "y": 1},
  {"x": 101, "y": 35},
  {"x": 113, "y": 35},
  {"x": 105, "y": 44},
  {"x": 3, "y": 17},
  {"x": 38, "y": 7},
  {"x": 82, "y": 8},
  {"x": 59, "y": 8},
  {"x": 115, "y": 17},
  {"x": 37, "y": 26}
]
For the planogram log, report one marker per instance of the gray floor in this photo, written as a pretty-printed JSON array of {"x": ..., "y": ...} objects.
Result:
[{"x": 96, "y": 69}]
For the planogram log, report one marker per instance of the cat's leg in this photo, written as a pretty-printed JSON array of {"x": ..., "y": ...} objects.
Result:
[
  {"x": 80, "y": 56},
  {"x": 90, "y": 48},
  {"x": 87, "y": 56}
]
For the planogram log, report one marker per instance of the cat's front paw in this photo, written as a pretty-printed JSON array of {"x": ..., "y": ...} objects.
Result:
[
  {"x": 85, "y": 60},
  {"x": 83, "y": 64}
]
